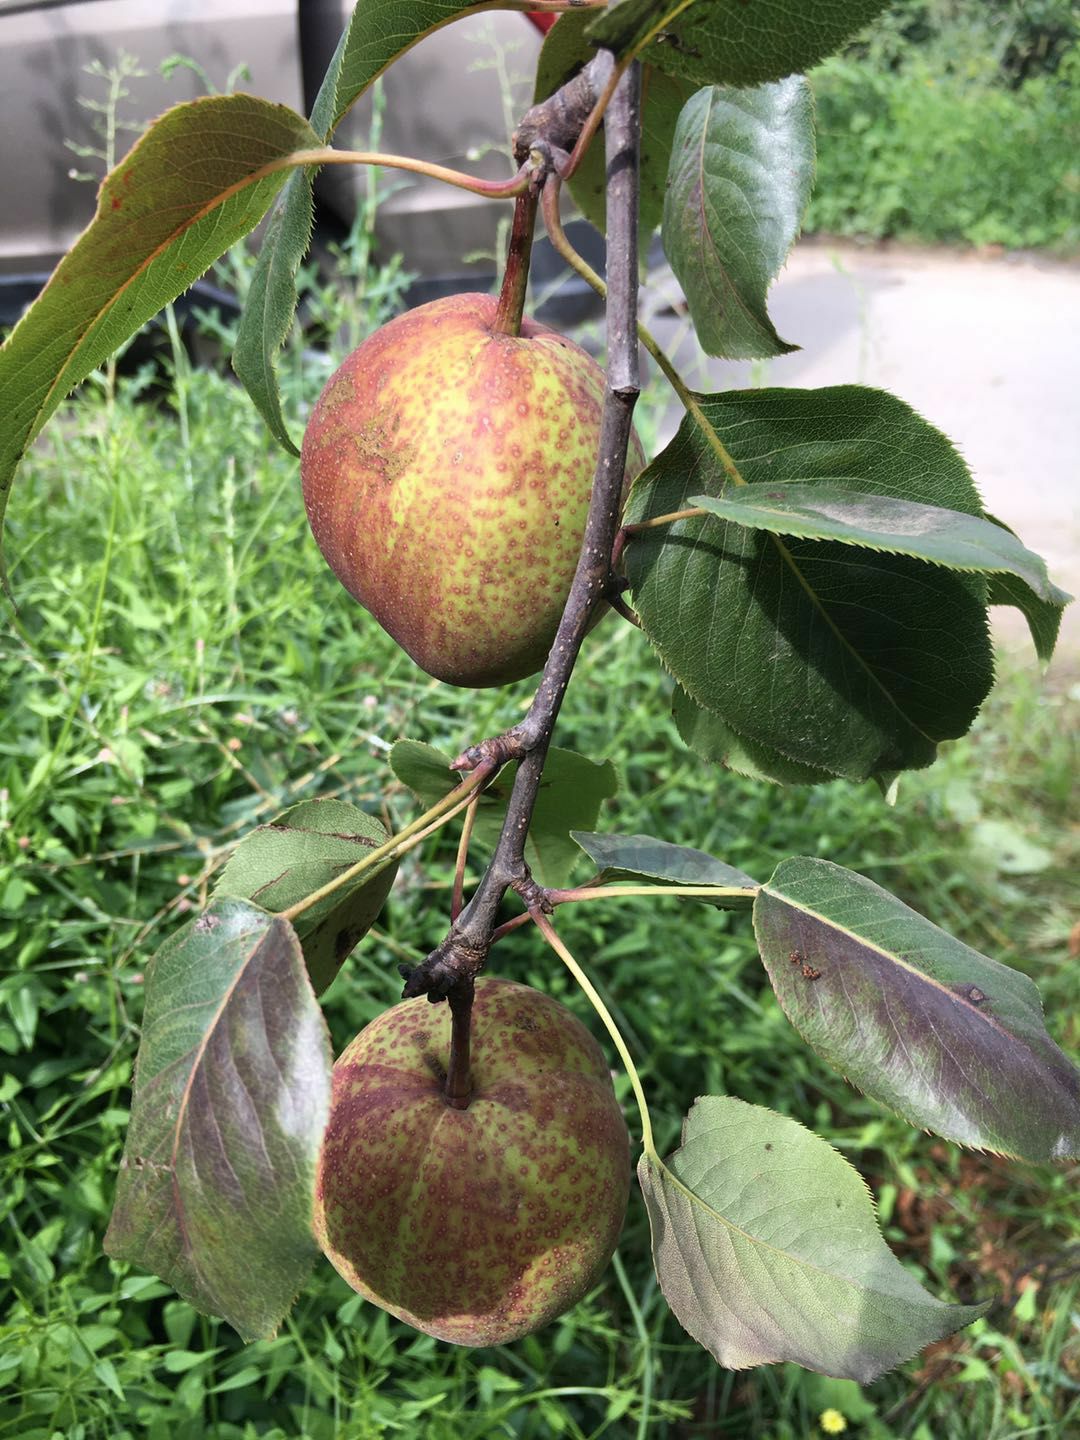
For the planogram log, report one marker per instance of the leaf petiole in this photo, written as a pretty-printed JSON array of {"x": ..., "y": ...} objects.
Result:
[
  {"x": 457, "y": 895},
  {"x": 669, "y": 519},
  {"x": 606, "y": 892},
  {"x": 546, "y": 929},
  {"x": 459, "y": 799},
  {"x": 491, "y": 189}
]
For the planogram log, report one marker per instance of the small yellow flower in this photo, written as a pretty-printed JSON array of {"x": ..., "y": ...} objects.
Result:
[{"x": 832, "y": 1422}]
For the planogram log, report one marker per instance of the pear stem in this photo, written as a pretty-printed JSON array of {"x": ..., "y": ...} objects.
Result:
[
  {"x": 458, "y": 1085},
  {"x": 511, "y": 305}
]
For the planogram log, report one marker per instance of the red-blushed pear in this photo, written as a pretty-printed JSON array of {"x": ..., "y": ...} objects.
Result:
[
  {"x": 480, "y": 1224},
  {"x": 447, "y": 469}
]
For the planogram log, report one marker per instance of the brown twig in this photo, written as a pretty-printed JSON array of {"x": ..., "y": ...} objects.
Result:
[{"x": 462, "y": 954}]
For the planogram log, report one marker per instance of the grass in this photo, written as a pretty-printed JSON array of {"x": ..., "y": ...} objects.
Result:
[
  {"x": 182, "y": 667},
  {"x": 930, "y": 144}
]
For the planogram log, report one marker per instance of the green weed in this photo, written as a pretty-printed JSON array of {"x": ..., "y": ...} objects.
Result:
[
  {"x": 971, "y": 134},
  {"x": 182, "y": 667}
]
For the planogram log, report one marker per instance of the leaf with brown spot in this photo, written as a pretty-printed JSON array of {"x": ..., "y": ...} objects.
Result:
[{"x": 949, "y": 1039}]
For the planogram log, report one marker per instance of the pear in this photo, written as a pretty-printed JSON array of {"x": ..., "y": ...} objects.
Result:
[
  {"x": 447, "y": 469},
  {"x": 475, "y": 1225}
]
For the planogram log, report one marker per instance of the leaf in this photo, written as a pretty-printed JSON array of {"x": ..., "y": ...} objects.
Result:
[
  {"x": 232, "y": 1094},
  {"x": 197, "y": 181},
  {"x": 306, "y": 847},
  {"x": 377, "y": 33},
  {"x": 949, "y": 1039},
  {"x": 767, "y": 1249},
  {"x": 566, "y": 49},
  {"x": 821, "y": 510},
  {"x": 732, "y": 42},
  {"x": 640, "y": 857},
  {"x": 571, "y": 793},
  {"x": 1043, "y": 616},
  {"x": 840, "y": 659},
  {"x": 271, "y": 303},
  {"x": 424, "y": 770},
  {"x": 708, "y": 736},
  {"x": 742, "y": 164}
]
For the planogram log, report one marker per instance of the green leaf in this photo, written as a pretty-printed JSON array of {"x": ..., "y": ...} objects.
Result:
[
  {"x": 306, "y": 847},
  {"x": 823, "y": 510},
  {"x": 377, "y": 33},
  {"x": 742, "y": 164},
  {"x": 271, "y": 302},
  {"x": 566, "y": 49},
  {"x": 200, "y": 179},
  {"x": 732, "y": 42},
  {"x": 424, "y": 770},
  {"x": 571, "y": 793},
  {"x": 232, "y": 1094},
  {"x": 767, "y": 1249},
  {"x": 1043, "y": 616},
  {"x": 708, "y": 736},
  {"x": 950, "y": 1040},
  {"x": 640, "y": 857},
  {"x": 837, "y": 658}
]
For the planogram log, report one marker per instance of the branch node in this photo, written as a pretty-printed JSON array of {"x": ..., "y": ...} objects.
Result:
[
  {"x": 559, "y": 120},
  {"x": 534, "y": 896},
  {"x": 449, "y": 969},
  {"x": 494, "y": 753},
  {"x": 615, "y": 595}
]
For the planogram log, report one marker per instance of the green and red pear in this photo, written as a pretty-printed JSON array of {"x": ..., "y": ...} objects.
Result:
[
  {"x": 447, "y": 469},
  {"x": 480, "y": 1224}
]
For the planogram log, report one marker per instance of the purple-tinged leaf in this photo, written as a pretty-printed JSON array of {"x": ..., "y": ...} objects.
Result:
[
  {"x": 949, "y": 1039},
  {"x": 767, "y": 1249},
  {"x": 232, "y": 1095}
]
